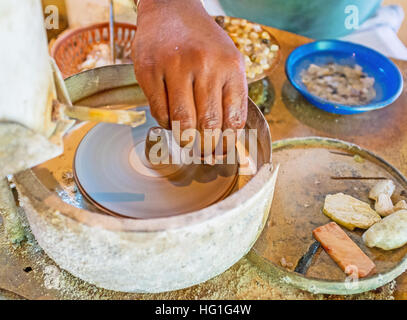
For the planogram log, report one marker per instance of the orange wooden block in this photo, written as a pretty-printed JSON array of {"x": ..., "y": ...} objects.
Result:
[{"x": 343, "y": 250}]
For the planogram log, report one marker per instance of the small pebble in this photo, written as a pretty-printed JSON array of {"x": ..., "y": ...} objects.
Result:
[
  {"x": 285, "y": 264},
  {"x": 358, "y": 158}
]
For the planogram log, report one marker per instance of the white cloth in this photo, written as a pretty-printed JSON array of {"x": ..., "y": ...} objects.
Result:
[
  {"x": 214, "y": 8},
  {"x": 379, "y": 32}
]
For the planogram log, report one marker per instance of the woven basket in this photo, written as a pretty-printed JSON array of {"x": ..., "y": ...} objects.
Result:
[{"x": 72, "y": 46}]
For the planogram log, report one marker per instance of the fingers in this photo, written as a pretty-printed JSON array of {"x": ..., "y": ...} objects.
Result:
[
  {"x": 234, "y": 108},
  {"x": 155, "y": 90},
  {"x": 208, "y": 101},
  {"x": 235, "y": 102},
  {"x": 181, "y": 102}
]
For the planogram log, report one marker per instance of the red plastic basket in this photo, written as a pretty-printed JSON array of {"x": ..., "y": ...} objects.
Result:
[{"x": 72, "y": 46}]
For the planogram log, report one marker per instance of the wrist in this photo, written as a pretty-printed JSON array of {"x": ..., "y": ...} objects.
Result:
[{"x": 149, "y": 5}]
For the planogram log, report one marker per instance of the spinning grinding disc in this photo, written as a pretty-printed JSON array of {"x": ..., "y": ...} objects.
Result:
[{"x": 110, "y": 171}]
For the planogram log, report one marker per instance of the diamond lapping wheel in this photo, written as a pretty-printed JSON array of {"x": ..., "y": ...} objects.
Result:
[{"x": 113, "y": 172}]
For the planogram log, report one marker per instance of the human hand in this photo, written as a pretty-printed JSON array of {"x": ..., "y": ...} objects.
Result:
[{"x": 188, "y": 67}]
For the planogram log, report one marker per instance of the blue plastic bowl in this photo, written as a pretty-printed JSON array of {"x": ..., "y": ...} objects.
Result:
[{"x": 388, "y": 79}]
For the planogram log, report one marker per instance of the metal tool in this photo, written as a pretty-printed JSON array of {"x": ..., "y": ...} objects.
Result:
[{"x": 111, "y": 31}]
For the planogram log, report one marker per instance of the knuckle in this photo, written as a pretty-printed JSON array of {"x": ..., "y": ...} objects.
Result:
[
  {"x": 236, "y": 118},
  {"x": 184, "y": 116},
  {"x": 202, "y": 57},
  {"x": 163, "y": 124},
  {"x": 181, "y": 112},
  {"x": 199, "y": 52},
  {"x": 171, "y": 57},
  {"x": 187, "y": 123},
  {"x": 144, "y": 66},
  {"x": 210, "y": 120},
  {"x": 234, "y": 123},
  {"x": 161, "y": 117},
  {"x": 236, "y": 60}
]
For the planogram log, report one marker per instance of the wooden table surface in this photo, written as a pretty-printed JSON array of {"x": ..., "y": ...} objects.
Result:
[{"x": 382, "y": 131}]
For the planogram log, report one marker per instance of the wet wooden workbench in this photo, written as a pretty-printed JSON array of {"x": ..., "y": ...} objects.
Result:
[{"x": 382, "y": 131}]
